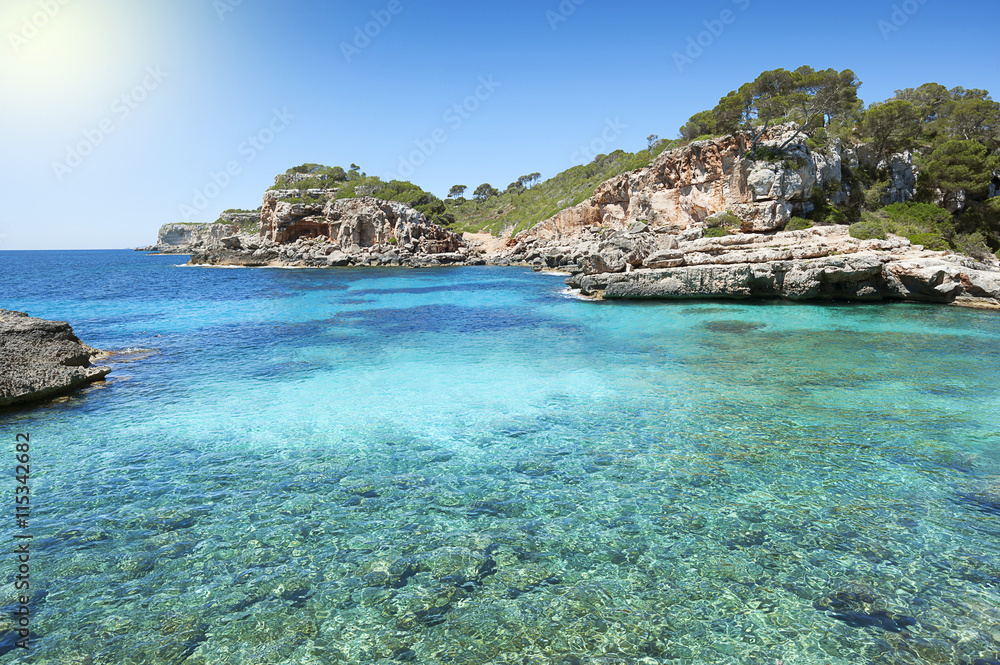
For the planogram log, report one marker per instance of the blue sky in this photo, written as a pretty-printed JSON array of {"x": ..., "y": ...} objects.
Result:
[{"x": 121, "y": 115}]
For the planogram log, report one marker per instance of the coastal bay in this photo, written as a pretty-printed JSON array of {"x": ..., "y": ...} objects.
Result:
[{"x": 469, "y": 465}]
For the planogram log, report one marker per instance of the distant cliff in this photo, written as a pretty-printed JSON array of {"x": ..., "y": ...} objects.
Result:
[
  {"x": 323, "y": 231},
  {"x": 184, "y": 238}
]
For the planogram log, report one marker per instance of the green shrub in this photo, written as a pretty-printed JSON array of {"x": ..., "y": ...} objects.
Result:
[
  {"x": 982, "y": 217},
  {"x": 818, "y": 141},
  {"x": 874, "y": 194},
  {"x": 768, "y": 153},
  {"x": 725, "y": 220},
  {"x": 908, "y": 218},
  {"x": 798, "y": 224},
  {"x": 932, "y": 241},
  {"x": 333, "y": 175},
  {"x": 715, "y": 232},
  {"x": 868, "y": 229},
  {"x": 823, "y": 211},
  {"x": 974, "y": 245}
]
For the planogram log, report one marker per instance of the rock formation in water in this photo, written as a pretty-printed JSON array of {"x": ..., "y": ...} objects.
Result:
[
  {"x": 643, "y": 234},
  {"x": 41, "y": 359},
  {"x": 327, "y": 232}
]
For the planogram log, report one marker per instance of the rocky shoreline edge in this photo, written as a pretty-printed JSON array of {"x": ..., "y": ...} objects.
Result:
[
  {"x": 41, "y": 359},
  {"x": 819, "y": 264},
  {"x": 707, "y": 220}
]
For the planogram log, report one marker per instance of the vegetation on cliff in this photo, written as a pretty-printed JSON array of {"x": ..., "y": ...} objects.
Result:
[
  {"x": 954, "y": 135},
  {"x": 520, "y": 208},
  {"x": 354, "y": 183}
]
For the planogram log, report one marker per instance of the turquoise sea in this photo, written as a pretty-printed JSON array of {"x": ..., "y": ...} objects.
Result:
[{"x": 469, "y": 466}]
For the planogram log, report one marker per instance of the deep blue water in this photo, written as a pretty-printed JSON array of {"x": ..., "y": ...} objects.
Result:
[{"x": 468, "y": 466}]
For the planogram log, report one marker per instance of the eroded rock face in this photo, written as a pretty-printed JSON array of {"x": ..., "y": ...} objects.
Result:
[
  {"x": 902, "y": 179},
  {"x": 683, "y": 187},
  {"x": 355, "y": 223},
  {"x": 186, "y": 238},
  {"x": 41, "y": 359},
  {"x": 341, "y": 232}
]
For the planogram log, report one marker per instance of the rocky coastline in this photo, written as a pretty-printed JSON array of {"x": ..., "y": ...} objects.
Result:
[
  {"x": 706, "y": 220},
  {"x": 42, "y": 359},
  {"x": 338, "y": 233},
  {"x": 822, "y": 263}
]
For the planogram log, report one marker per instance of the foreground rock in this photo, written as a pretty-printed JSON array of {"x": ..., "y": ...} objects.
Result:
[
  {"x": 41, "y": 359},
  {"x": 340, "y": 232}
]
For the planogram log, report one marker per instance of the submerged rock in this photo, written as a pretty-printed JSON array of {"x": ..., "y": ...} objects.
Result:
[
  {"x": 41, "y": 359},
  {"x": 860, "y": 607}
]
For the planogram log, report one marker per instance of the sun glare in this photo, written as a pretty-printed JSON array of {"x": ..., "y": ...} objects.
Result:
[{"x": 61, "y": 55}]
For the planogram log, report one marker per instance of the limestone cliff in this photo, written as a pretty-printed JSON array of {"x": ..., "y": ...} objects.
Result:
[
  {"x": 822, "y": 263},
  {"x": 324, "y": 231},
  {"x": 187, "y": 238},
  {"x": 354, "y": 223},
  {"x": 685, "y": 186},
  {"x": 643, "y": 234}
]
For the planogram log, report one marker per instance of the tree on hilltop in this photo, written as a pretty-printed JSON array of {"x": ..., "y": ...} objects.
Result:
[
  {"x": 930, "y": 100},
  {"x": 526, "y": 181},
  {"x": 700, "y": 124},
  {"x": 809, "y": 97},
  {"x": 974, "y": 119},
  {"x": 755, "y": 105},
  {"x": 890, "y": 126},
  {"x": 457, "y": 191},
  {"x": 818, "y": 97},
  {"x": 485, "y": 191}
]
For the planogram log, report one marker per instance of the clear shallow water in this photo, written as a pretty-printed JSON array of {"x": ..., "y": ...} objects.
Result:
[{"x": 465, "y": 466}]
